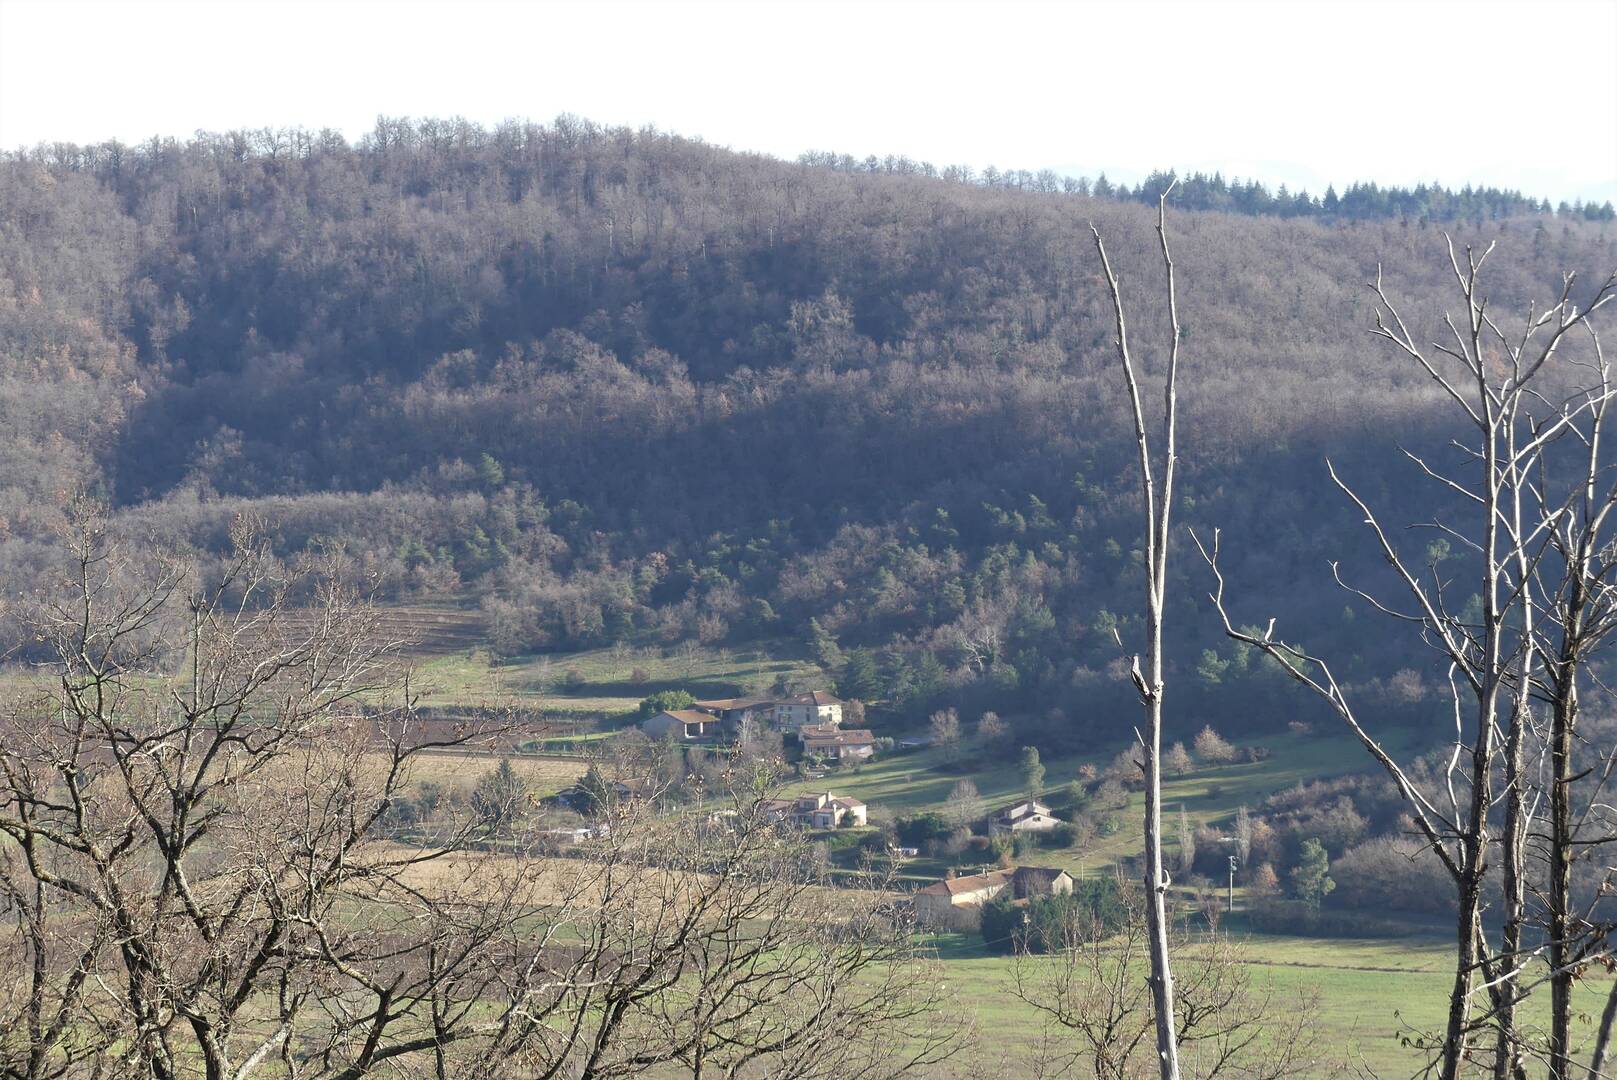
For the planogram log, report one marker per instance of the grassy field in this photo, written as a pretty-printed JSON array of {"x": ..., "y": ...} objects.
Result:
[
  {"x": 461, "y": 772},
  {"x": 602, "y": 682},
  {"x": 1370, "y": 992}
]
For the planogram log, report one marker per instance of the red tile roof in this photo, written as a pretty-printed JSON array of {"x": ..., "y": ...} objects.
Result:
[
  {"x": 975, "y": 882},
  {"x": 970, "y": 883}
]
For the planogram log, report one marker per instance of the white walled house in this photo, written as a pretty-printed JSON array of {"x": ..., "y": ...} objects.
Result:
[
  {"x": 819, "y": 810},
  {"x": 814, "y": 708},
  {"x": 1029, "y": 815}
]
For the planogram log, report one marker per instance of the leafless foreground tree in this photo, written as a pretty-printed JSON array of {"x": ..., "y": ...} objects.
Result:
[
  {"x": 1539, "y": 561},
  {"x": 204, "y": 874},
  {"x": 1100, "y": 1020},
  {"x": 1157, "y": 498}
]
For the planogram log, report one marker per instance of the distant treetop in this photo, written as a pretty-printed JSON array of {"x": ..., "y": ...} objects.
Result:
[{"x": 1200, "y": 191}]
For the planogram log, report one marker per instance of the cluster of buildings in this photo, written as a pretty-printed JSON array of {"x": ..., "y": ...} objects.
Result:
[
  {"x": 947, "y": 902},
  {"x": 814, "y": 719}
]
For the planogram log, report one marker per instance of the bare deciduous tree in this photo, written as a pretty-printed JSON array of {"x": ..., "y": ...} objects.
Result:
[
  {"x": 944, "y": 730},
  {"x": 1157, "y": 496},
  {"x": 1087, "y": 987},
  {"x": 714, "y": 943},
  {"x": 965, "y": 804},
  {"x": 1497, "y": 382},
  {"x": 201, "y": 845}
]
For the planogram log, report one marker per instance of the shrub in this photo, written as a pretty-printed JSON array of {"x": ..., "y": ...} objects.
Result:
[
  {"x": 1062, "y": 836},
  {"x": 1095, "y": 908},
  {"x": 921, "y": 828},
  {"x": 1393, "y": 873},
  {"x": 841, "y": 841},
  {"x": 662, "y": 701}
]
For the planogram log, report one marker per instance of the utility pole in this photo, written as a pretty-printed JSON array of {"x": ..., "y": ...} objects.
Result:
[{"x": 1232, "y": 883}]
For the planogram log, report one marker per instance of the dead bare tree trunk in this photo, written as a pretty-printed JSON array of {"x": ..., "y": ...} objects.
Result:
[
  {"x": 1602, "y": 1051},
  {"x": 1579, "y": 617},
  {"x": 1518, "y": 811},
  {"x": 1158, "y": 503}
]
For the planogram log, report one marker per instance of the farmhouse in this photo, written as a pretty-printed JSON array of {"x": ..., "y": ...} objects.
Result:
[
  {"x": 684, "y": 725},
  {"x": 853, "y": 744},
  {"x": 939, "y": 903},
  {"x": 819, "y": 810},
  {"x": 1029, "y": 815},
  {"x": 815, "y": 707}
]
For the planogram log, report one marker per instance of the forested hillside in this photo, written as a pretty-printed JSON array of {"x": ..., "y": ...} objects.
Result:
[{"x": 623, "y": 385}]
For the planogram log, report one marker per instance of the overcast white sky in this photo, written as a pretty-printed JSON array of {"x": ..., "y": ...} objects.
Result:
[{"x": 1507, "y": 93}]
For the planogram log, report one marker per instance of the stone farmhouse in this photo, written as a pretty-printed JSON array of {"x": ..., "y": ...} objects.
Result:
[
  {"x": 815, "y": 707},
  {"x": 945, "y": 903},
  {"x": 729, "y": 717}
]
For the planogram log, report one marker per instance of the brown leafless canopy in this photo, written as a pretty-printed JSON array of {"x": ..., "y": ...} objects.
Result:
[{"x": 205, "y": 874}]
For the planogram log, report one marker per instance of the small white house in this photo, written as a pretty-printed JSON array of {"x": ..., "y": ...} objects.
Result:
[{"x": 1029, "y": 815}]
